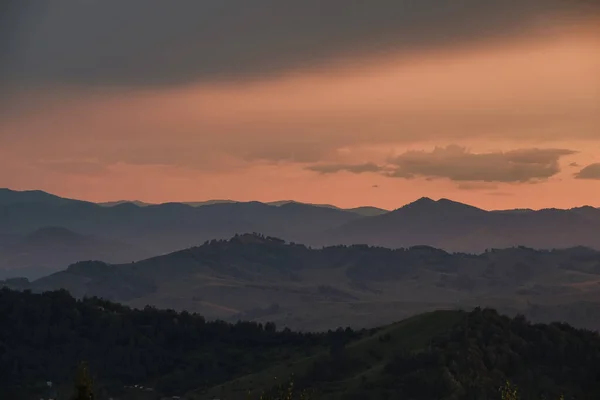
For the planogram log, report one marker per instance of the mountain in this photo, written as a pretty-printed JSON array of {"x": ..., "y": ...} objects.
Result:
[
  {"x": 10, "y": 197},
  {"x": 171, "y": 226},
  {"x": 364, "y": 211},
  {"x": 459, "y": 227},
  {"x": 445, "y": 224},
  {"x": 253, "y": 277},
  {"x": 119, "y": 202},
  {"x": 49, "y": 249},
  {"x": 151, "y": 353}
]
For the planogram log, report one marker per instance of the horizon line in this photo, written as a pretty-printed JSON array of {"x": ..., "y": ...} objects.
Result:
[{"x": 272, "y": 202}]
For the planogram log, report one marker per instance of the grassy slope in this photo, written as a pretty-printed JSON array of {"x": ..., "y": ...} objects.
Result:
[{"x": 372, "y": 353}]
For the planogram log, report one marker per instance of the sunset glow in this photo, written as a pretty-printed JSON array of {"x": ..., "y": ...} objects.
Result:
[{"x": 303, "y": 133}]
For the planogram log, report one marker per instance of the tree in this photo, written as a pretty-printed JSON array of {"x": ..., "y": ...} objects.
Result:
[{"x": 84, "y": 389}]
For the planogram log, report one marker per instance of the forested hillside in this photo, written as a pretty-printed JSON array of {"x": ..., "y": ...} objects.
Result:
[
  {"x": 441, "y": 355},
  {"x": 43, "y": 337},
  {"x": 254, "y": 277}
]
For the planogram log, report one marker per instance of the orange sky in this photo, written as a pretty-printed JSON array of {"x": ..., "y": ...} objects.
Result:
[{"x": 356, "y": 132}]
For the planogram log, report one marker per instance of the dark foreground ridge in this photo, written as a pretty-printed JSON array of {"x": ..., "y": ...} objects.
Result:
[{"x": 146, "y": 354}]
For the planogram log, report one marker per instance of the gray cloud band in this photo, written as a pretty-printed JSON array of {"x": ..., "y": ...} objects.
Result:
[
  {"x": 458, "y": 164},
  {"x": 157, "y": 42}
]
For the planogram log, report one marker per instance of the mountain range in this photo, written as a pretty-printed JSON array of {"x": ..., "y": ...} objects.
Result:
[
  {"x": 253, "y": 277},
  {"x": 163, "y": 228}
]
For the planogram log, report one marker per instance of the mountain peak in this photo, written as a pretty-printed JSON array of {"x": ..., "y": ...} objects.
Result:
[
  {"x": 9, "y": 196},
  {"x": 442, "y": 205},
  {"x": 422, "y": 202}
]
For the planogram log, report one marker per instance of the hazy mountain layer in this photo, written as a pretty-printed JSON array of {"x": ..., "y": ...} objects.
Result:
[
  {"x": 49, "y": 249},
  {"x": 163, "y": 228}
]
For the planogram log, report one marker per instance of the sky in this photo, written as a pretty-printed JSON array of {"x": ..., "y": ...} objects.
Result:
[{"x": 345, "y": 102}]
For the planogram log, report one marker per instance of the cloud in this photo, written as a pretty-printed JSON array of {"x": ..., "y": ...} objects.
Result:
[
  {"x": 592, "y": 171},
  {"x": 459, "y": 164},
  {"x": 353, "y": 168},
  {"x": 158, "y": 42},
  {"x": 456, "y": 163}
]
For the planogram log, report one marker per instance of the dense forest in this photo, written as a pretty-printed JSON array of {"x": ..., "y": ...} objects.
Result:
[
  {"x": 43, "y": 337},
  {"x": 442, "y": 355}
]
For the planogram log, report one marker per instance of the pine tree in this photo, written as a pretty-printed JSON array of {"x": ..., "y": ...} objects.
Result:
[{"x": 83, "y": 384}]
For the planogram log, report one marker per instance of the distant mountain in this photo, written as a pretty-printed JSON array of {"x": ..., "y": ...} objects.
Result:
[
  {"x": 208, "y": 202},
  {"x": 11, "y": 197},
  {"x": 459, "y": 227},
  {"x": 285, "y": 202},
  {"x": 49, "y": 249},
  {"x": 443, "y": 223},
  {"x": 166, "y": 227},
  {"x": 263, "y": 278},
  {"x": 120, "y": 202},
  {"x": 364, "y": 211}
]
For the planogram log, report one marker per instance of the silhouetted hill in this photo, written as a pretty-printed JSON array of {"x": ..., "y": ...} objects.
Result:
[
  {"x": 437, "y": 355},
  {"x": 119, "y": 202},
  {"x": 459, "y": 227},
  {"x": 8, "y": 197},
  {"x": 365, "y": 211},
  {"x": 445, "y": 224},
  {"x": 171, "y": 226},
  {"x": 442, "y": 355},
  {"x": 264, "y": 278},
  {"x": 49, "y": 249}
]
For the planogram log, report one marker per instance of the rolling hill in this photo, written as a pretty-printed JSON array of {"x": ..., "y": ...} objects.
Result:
[
  {"x": 150, "y": 353},
  {"x": 253, "y": 277}
]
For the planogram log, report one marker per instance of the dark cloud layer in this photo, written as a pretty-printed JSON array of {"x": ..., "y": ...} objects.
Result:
[
  {"x": 592, "y": 171},
  {"x": 158, "y": 42},
  {"x": 460, "y": 165}
]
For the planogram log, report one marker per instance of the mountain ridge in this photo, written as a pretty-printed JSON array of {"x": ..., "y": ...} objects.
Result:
[
  {"x": 259, "y": 277},
  {"x": 40, "y": 195},
  {"x": 442, "y": 223}
]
